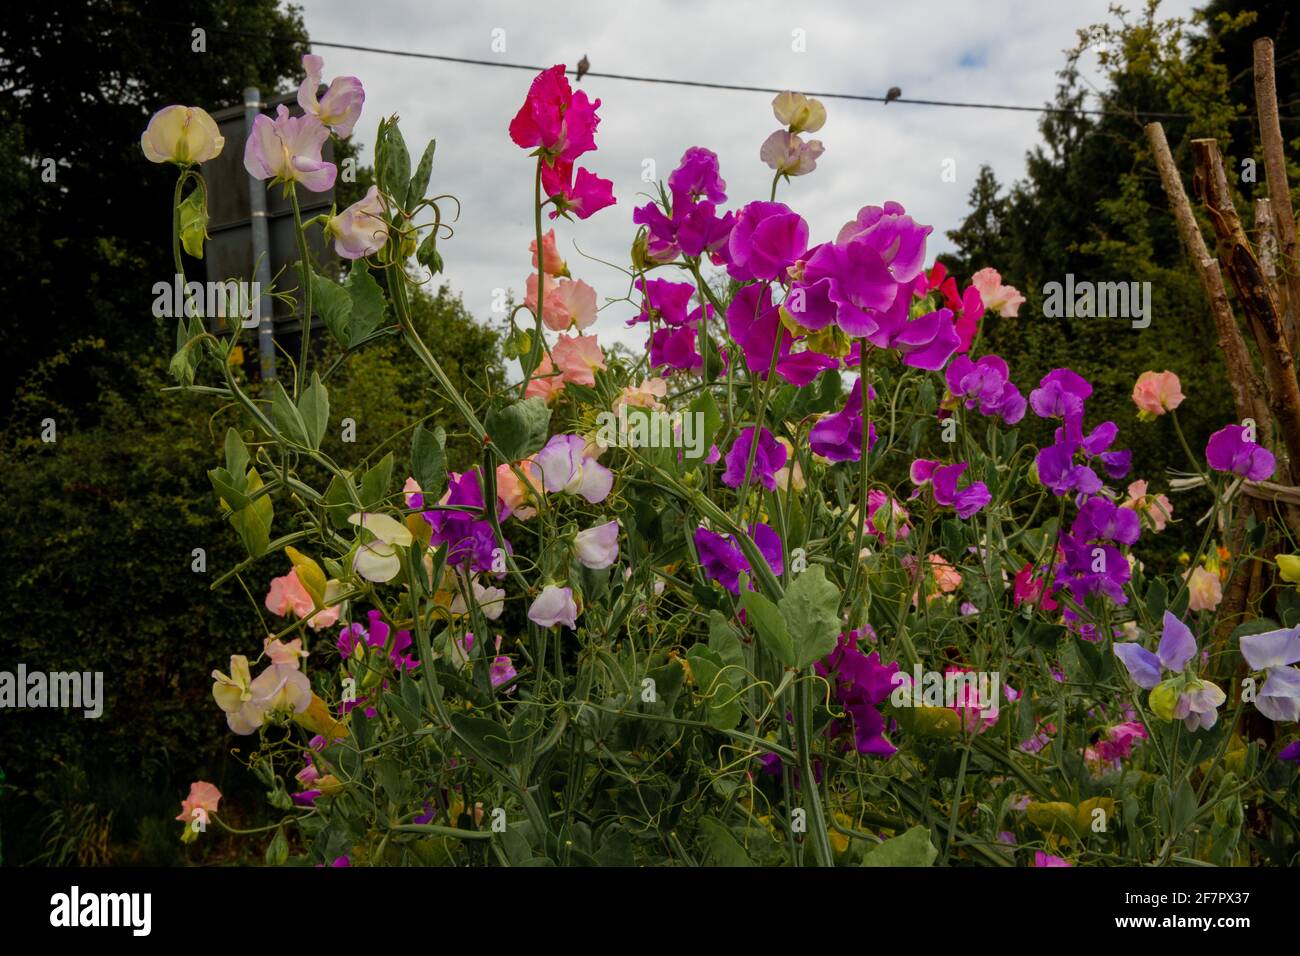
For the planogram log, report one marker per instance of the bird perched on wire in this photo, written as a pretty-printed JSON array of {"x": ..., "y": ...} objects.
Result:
[
  {"x": 893, "y": 94},
  {"x": 583, "y": 66}
]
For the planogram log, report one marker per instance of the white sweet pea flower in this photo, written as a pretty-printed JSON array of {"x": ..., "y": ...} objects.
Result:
[
  {"x": 377, "y": 560},
  {"x": 597, "y": 547}
]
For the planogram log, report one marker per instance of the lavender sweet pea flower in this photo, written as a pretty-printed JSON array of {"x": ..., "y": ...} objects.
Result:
[
  {"x": 1176, "y": 650},
  {"x": 288, "y": 149},
  {"x": 555, "y": 605},
  {"x": 769, "y": 458},
  {"x": 565, "y": 467},
  {"x": 1228, "y": 450},
  {"x": 985, "y": 385},
  {"x": 1100, "y": 519},
  {"x": 765, "y": 241},
  {"x": 1059, "y": 473},
  {"x": 1060, "y": 394},
  {"x": 597, "y": 547},
  {"x": 340, "y": 107},
  {"x": 1272, "y": 652}
]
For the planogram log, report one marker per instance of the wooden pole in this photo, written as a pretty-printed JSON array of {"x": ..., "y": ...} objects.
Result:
[{"x": 1279, "y": 191}]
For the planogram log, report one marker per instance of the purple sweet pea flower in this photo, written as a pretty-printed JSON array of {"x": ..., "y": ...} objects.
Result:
[
  {"x": 459, "y": 521},
  {"x": 859, "y": 684},
  {"x": 1176, "y": 650},
  {"x": 664, "y": 301},
  {"x": 985, "y": 385},
  {"x": 676, "y": 348},
  {"x": 1272, "y": 652},
  {"x": 943, "y": 482},
  {"x": 697, "y": 177},
  {"x": 1060, "y": 394},
  {"x": 838, "y": 436},
  {"x": 723, "y": 561},
  {"x": 1100, "y": 519},
  {"x": 769, "y": 458},
  {"x": 1228, "y": 450},
  {"x": 765, "y": 241},
  {"x": 1291, "y": 753},
  {"x": 754, "y": 323}
]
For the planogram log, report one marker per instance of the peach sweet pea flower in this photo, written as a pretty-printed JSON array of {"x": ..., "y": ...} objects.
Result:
[
  {"x": 569, "y": 302},
  {"x": 790, "y": 472},
  {"x": 181, "y": 135},
  {"x": 578, "y": 357},
  {"x": 203, "y": 800},
  {"x": 546, "y": 383},
  {"x": 1206, "y": 590},
  {"x": 1156, "y": 393},
  {"x": 282, "y": 653},
  {"x": 288, "y": 594},
  {"x": 1156, "y": 509},
  {"x": 555, "y": 266},
  {"x": 517, "y": 494},
  {"x": 645, "y": 395},
  {"x": 1005, "y": 300}
]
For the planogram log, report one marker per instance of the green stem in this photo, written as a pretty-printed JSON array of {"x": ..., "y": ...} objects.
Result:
[{"x": 304, "y": 270}]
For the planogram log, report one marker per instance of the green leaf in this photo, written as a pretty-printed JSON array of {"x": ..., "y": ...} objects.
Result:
[
  {"x": 724, "y": 848},
  {"x": 913, "y": 848},
  {"x": 810, "y": 608},
  {"x": 393, "y": 168},
  {"x": 367, "y": 303},
  {"x": 234, "y": 497},
  {"x": 420, "y": 180},
  {"x": 724, "y": 641},
  {"x": 486, "y": 736},
  {"x": 375, "y": 483},
  {"x": 236, "y": 453},
  {"x": 314, "y": 407},
  {"x": 288, "y": 420},
  {"x": 278, "y": 850},
  {"x": 769, "y": 625},
  {"x": 1184, "y": 806},
  {"x": 429, "y": 460},
  {"x": 712, "y": 684},
  {"x": 334, "y": 305},
  {"x": 520, "y": 429},
  {"x": 253, "y": 523},
  {"x": 194, "y": 221},
  {"x": 1157, "y": 599},
  {"x": 408, "y": 718}
]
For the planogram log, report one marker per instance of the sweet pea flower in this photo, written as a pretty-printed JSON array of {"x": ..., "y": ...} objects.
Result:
[
  {"x": 555, "y": 119},
  {"x": 1156, "y": 510},
  {"x": 183, "y": 135},
  {"x": 583, "y": 194},
  {"x": 376, "y": 559},
  {"x": 491, "y": 601},
  {"x": 1205, "y": 589},
  {"x": 597, "y": 547},
  {"x": 359, "y": 230},
  {"x": 722, "y": 560},
  {"x": 1228, "y": 450},
  {"x": 1028, "y": 589},
  {"x": 1182, "y": 697},
  {"x": 340, "y": 107},
  {"x": 518, "y": 495},
  {"x": 569, "y": 303},
  {"x": 1005, "y": 300},
  {"x": 789, "y": 155},
  {"x": 943, "y": 482},
  {"x": 278, "y": 652},
  {"x": 1115, "y": 746},
  {"x": 860, "y": 683},
  {"x": 287, "y": 594},
  {"x": 837, "y": 436},
  {"x": 1272, "y": 652},
  {"x": 646, "y": 395},
  {"x": 234, "y": 696},
  {"x": 1288, "y": 567},
  {"x": 565, "y": 466},
  {"x": 203, "y": 800},
  {"x": 288, "y": 150},
  {"x": 885, "y": 516},
  {"x": 546, "y": 383},
  {"x": 985, "y": 385},
  {"x": 1290, "y": 753},
  {"x": 555, "y": 605},
  {"x": 500, "y": 671},
  {"x": 769, "y": 457},
  {"x": 554, "y": 264},
  {"x": 765, "y": 241},
  {"x": 1156, "y": 393},
  {"x": 1060, "y": 394},
  {"x": 802, "y": 114},
  {"x": 1043, "y": 860},
  {"x": 578, "y": 357}
]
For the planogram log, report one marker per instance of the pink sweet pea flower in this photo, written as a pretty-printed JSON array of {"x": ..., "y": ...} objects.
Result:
[
  {"x": 555, "y": 119},
  {"x": 1156, "y": 509},
  {"x": 546, "y": 382},
  {"x": 577, "y": 357},
  {"x": 1005, "y": 300},
  {"x": 555, "y": 605},
  {"x": 555, "y": 266},
  {"x": 288, "y": 149},
  {"x": 203, "y": 800},
  {"x": 360, "y": 230},
  {"x": 281, "y": 653},
  {"x": 645, "y": 395},
  {"x": 516, "y": 494},
  {"x": 340, "y": 107},
  {"x": 582, "y": 195},
  {"x": 568, "y": 303},
  {"x": 787, "y": 153},
  {"x": 288, "y": 594},
  {"x": 1157, "y": 392}
]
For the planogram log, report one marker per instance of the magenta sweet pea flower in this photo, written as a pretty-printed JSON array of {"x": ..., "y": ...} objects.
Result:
[
  {"x": 754, "y": 323},
  {"x": 723, "y": 561},
  {"x": 555, "y": 119},
  {"x": 288, "y": 149},
  {"x": 664, "y": 301},
  {"x": 1042, "y": 859},
  {"x": 769, "y": 458},
  {"x": 985, "y": 385},
  {"x": 582, "y": 196},
  {"x": 943, "y": 482},
  {"x": 859, "y": 684},
  {"x": 1060, "y": 394},
  {"x": 676, "y": 348},
  {"x": 838, "y": 436},
  {"x": 1228, "y": 450},
  {"x": 765, "y": 241},
  {"x": 469, "y": 536}
]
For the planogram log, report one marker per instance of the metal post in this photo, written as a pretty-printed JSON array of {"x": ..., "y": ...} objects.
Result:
[{"x": 261, "y": 246}]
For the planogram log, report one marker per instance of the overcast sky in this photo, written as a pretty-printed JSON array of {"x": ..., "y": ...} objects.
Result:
[{"x": 997, "y": 51}]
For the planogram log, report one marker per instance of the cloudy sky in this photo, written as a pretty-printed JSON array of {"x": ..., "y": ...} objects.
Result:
[{"x": 995, "y": 51}]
